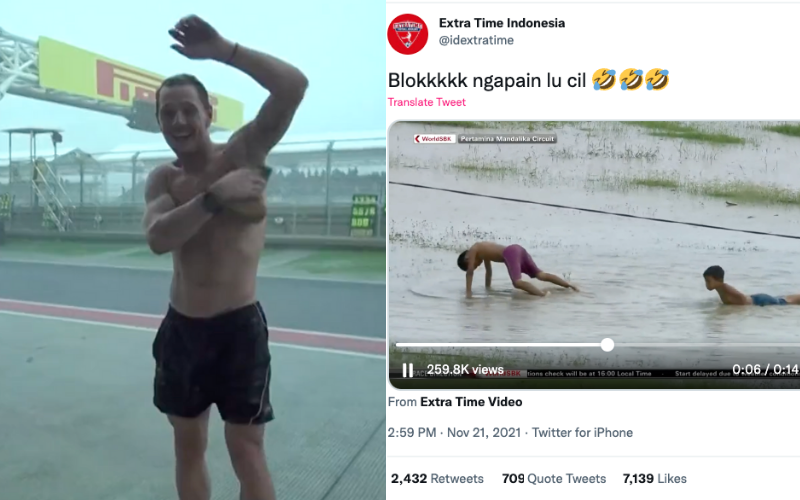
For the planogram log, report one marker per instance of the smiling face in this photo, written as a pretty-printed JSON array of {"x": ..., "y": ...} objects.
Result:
[{"x": 185, "y": 117}]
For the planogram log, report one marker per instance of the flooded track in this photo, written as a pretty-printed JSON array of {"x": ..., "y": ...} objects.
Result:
[{"x": 642, "y": 280}]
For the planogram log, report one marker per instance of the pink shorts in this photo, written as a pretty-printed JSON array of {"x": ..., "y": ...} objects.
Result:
[{"x": 519, "y": 261}]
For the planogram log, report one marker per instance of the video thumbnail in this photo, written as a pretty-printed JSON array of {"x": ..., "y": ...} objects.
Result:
[{"x": 608, "y": 255}]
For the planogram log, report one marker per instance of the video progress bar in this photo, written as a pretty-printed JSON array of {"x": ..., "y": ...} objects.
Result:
[
  {"x": 509, "y": 344},
  {"x": 594, "y": 344},
  {"x": 607, "y": 344}
]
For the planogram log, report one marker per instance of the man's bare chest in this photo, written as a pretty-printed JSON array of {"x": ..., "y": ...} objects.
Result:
[
  {"x": 225, "y": 228},
  {"x": 184, "y": 185}
]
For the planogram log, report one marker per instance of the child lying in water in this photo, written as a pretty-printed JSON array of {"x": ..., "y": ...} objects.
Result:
[{"x": 715, "y": 280}]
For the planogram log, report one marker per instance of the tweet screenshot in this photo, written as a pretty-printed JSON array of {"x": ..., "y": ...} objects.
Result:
[{"x": 593, "y": 235}]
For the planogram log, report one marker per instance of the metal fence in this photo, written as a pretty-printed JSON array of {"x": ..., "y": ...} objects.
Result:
[{"x": 310, "y": 192}]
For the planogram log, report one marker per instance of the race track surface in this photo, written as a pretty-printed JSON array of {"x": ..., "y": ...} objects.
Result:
[{"x": 326, "y": 306}]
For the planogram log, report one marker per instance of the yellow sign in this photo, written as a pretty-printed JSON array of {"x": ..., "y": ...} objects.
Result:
[
  {"x": 6, "y": 202},
  {"x": 80, "y": 72},
  {"x": 362, "y": 215}
]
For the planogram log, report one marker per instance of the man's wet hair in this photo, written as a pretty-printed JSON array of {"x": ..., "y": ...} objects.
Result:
[
  {"x": 184, "y": 79},
  {"x": 462, "y": 260},
  {"x": 715, "y": 272}
]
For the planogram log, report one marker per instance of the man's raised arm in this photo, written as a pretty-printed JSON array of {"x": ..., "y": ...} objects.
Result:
[
  {"x": 249, "y": 146},
  {"x": 286, "y": 85},
  {"x": 166, "y": 226}
]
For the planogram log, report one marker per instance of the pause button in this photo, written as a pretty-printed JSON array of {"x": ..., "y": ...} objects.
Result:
[{"x": 408, "y": 370}]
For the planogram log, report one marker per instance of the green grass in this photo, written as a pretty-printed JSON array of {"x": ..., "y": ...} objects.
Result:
[
  {"x": 357, "y": 263},
  {"x": 495, "y": 170},
  {"x": 745, "y": 192},
  {"x": 365, "y": 263},
  {"x": 144, "y": 252},
  {"x": 484, "y": 168},
  {"x": 733, "y": 191},
  {"x": 680, "y": 130},
  {"x": 62, "y": 248},
  {"x": 792, "y": 130},
  {"x": 656, "y": 182}
]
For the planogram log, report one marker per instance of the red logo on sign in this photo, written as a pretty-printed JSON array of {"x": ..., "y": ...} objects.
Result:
[
  {"x": 407, "y": 34},
  {"x": 132, "y": 84},
  {"x": 111, "y": 77}
]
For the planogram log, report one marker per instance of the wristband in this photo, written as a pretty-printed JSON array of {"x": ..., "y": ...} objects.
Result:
[
  {"x": 233, "y": 54},
  {"x": 211, "y": 204}
]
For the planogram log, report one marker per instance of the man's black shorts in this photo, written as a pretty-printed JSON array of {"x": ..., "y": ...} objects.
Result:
[{"x": 223, "y": 360}]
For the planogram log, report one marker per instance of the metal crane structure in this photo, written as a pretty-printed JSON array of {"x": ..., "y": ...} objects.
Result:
[{"x": 19, "y": 75}]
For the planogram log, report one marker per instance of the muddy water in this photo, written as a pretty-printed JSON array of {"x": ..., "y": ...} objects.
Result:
[{"x": 642, "y": 280}]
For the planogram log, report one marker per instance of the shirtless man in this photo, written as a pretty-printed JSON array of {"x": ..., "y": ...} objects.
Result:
[
  {"x": 208, "y": 210},
  {"x": 516, "y": 259},
  {"x": 715, "y": 280}
]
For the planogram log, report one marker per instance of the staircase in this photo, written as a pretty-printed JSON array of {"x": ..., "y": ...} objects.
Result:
[{"x": 52, "y": 196}]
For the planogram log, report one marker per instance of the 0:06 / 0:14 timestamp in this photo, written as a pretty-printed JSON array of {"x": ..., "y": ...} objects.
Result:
[{"x": 774, "y": 370}]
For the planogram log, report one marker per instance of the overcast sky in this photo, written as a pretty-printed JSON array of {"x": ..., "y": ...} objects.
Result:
[{"x": 341, "y": 50}]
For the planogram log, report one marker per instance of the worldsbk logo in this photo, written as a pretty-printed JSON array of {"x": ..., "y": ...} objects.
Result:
[
  {"x": 434, "y": 138},
  {"x": 407, "y": 34}
]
